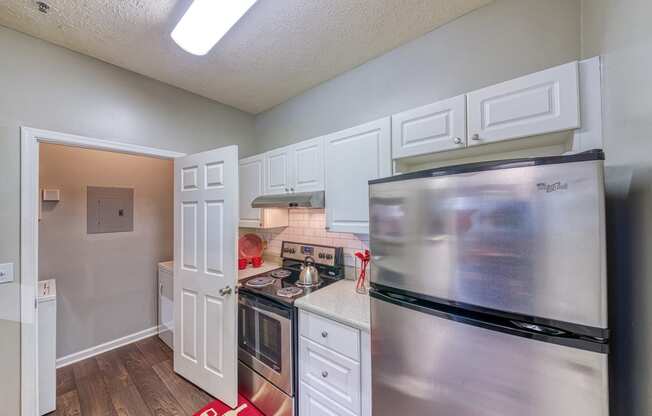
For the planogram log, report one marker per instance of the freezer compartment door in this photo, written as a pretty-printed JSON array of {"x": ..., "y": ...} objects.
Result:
[
  {"x": 423, "y": 364},
  {"x": 524, "y": 240}
]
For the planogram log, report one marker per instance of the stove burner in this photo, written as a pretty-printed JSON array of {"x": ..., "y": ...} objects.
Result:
[
  {"x": 280, "y": 273},
  {"x": 289, "y": 292},
  {"x": 260, "y": 281}
]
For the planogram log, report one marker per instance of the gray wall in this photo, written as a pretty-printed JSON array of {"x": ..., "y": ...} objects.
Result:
[
  {"x": 503, "y": 40},
  {"x": 49, "y": 87},
  {"x": 106, "y": 283},
  {"x": 620, "y": 31}
]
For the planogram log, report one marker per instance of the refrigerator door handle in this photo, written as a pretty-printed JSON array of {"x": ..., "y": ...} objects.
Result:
[
  {"x": 496, "y": 323},
  {"x": 528, "y": 326}
]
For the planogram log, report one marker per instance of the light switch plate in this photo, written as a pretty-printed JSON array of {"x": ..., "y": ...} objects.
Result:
[{"x": 6, "y": 272}]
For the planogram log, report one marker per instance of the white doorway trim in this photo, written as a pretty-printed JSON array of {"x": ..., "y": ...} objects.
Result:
[{"x": 29, "y": 200}]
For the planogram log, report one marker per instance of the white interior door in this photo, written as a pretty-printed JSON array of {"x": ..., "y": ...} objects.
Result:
[{"x": 205, "y": 239}]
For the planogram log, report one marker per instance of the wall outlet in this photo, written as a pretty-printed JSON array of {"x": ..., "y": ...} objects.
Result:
[{"x": 6, "y": 272}]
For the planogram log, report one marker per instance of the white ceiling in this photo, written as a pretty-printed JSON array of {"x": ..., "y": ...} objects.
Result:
[{"x": 279, "y": 49}]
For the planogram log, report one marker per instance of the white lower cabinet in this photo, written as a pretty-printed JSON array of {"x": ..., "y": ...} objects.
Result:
[
  {"x": 313, "y": 403},
  {"x": 47, "y": 346},
  {"x": 166, "y": 303},
  {"x": 334, "y": 368},
  {"x": 332, "y": 373}
]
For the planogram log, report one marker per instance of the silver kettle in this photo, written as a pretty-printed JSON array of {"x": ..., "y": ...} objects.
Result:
[{"x": 309, "y": 275}]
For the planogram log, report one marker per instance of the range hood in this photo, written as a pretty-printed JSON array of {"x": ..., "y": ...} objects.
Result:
[{"x": 298, "y": 200}]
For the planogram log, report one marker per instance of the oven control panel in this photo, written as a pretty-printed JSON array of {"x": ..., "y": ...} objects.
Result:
[{"x": 328, "y": 256}]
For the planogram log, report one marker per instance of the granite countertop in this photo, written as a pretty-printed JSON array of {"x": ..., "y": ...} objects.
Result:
[
  {"x": 339, "y": 302},
  {"x": 252, "y": 271}
]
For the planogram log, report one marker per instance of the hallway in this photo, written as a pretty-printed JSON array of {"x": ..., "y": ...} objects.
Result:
[{"x": 135, "y": 380}]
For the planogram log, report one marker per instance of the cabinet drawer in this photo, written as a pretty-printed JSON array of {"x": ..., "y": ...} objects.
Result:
[
  {"x": 338, "y": 337},
  {"x": 333, "y": 374},
  {"x": 313, "y": 403}
]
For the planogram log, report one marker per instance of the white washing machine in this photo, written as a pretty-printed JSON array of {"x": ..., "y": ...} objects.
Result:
[
  {"x": 166, "y": 302},
  {"x": 47, "y": 346}
]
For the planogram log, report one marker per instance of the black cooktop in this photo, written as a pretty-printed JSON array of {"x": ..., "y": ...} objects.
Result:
[{"x": 257, "y": 286}]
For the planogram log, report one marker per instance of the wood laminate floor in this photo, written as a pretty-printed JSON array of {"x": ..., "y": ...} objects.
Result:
[{"x": 135, "y": 380}]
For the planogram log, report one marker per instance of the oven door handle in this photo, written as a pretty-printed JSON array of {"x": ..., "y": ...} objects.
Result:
[{"x": 270, "y": 314}]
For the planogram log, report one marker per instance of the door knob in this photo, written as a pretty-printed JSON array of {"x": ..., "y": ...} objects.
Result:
[
  {"x": 457, "y": 140},
  {"x": 226, "y": 291}
]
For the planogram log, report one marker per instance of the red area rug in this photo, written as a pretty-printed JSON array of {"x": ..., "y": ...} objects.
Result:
[{"x": 217, "y": 408}]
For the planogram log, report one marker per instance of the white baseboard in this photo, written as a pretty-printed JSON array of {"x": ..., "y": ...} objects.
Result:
[{"x": 107, "y": 346}]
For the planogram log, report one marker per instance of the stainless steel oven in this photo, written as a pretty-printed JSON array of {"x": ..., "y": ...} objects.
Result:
[
  {"x": 265, "y": 340},
  {"x": 267, "y": 327}
]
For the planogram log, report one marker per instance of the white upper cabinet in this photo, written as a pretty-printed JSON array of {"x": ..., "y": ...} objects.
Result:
[
  {"x": 432, "y": 128},
  {"x": 251, "y": 187},
  {"x": 353, "y": 157},
  {"x": 308, "y": 165},
  {"x": 278, "y": 171},
  {"x": 296, "y": 168},
  {"x": 539, "y": 103}
]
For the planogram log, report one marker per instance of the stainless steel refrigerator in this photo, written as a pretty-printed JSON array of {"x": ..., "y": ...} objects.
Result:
[{"x": 489, "y": 293}]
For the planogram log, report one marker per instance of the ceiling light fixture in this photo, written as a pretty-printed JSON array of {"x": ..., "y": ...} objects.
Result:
[{"x": 206, "y": 22}]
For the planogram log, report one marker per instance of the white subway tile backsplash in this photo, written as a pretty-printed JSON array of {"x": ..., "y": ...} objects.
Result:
[{"x": 308, "y": 226}]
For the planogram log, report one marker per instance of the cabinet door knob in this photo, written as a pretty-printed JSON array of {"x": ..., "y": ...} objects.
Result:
[
  {"x": 457, "y": 140},
  {"x": 160, "y": 290},
  {"x": 292, "y": 189},
  {"x": 475, "y": 137},
  {"x": 324, "y": 334},
  {"x": 287, "y": 190},
  {"x": 324, "y": 374}
]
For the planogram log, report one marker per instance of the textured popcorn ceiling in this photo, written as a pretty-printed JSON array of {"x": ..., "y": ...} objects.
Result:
[{"x": 279, "y": 49}]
